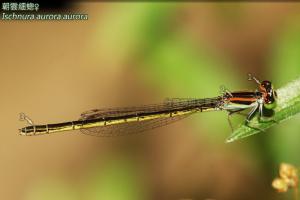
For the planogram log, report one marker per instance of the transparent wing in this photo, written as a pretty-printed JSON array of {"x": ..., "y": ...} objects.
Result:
[
  {"x": 130, "y": 127},
  {"x": 114, "y": 112},
  {"x": 141, "y": 126}
]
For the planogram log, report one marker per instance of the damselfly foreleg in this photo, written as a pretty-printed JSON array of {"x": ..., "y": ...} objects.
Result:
[{"x": 251, "y": 115}]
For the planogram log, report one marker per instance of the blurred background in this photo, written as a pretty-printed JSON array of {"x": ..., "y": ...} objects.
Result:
[{"x": 130, "y": 54}]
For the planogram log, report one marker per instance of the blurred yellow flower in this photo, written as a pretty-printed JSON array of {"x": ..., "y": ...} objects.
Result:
[
  {"x": 289, "y": 173},
  {"x": 280, "y": 185},
  {"x": 288, "y": 178}
]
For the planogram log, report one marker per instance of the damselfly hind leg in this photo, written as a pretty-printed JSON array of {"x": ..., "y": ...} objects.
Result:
[
  {"x": 229, "y": 115},
  {"x": 249, "y": 117}
]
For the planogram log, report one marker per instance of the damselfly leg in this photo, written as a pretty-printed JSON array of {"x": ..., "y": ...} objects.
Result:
[
  {"x": 251, "y": 115},
  {"x": 229, "y": 115}
]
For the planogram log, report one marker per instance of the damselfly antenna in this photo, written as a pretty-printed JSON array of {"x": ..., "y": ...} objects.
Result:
[
  {"x": 24, "y": 117},
  {"x": 253, "y": 78}
]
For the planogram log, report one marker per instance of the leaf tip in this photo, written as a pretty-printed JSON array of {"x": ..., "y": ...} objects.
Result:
[{"x": 229, "y": 140}]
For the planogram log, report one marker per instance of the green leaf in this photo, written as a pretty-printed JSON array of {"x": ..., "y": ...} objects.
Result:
[
  {"x": 288, "y": 105},
  {"x": 129, "y": 30}
]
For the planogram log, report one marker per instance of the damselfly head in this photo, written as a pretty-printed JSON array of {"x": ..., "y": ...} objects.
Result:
[
  {"x": 269, "y": 94},
  {"x": 266, "y": 87}
]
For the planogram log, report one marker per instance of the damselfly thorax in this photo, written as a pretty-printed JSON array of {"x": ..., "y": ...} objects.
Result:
[{"x": 120, "y": 121}]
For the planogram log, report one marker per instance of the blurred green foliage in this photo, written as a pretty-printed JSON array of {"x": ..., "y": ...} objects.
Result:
[
  {"x": 132, "y": 28},
  {"x": 172, "y": 62},
  {"x": 116, "y": 180},
  {"x": 179, "y": 67}
]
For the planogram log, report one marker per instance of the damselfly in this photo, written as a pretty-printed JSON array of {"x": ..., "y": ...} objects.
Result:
[{"x": 120, "y": 121}]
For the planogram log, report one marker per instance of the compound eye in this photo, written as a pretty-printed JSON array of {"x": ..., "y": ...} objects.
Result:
[{"x": 266, "y": 83}]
